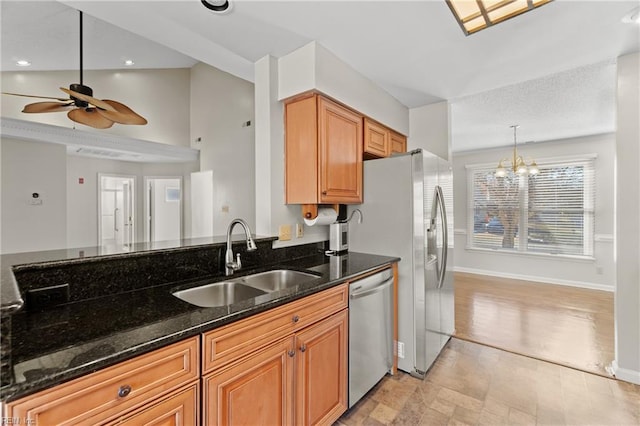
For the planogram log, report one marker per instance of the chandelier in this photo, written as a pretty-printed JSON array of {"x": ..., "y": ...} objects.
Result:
[{"x": 518, "y": 165}]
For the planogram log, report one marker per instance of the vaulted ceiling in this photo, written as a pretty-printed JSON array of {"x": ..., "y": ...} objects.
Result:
[{"x": 552, "y": 70}]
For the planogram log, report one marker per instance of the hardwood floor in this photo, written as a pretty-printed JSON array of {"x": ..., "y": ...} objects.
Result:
[
  {"x": 565, "y": 325},
  {"x": 472, "y": 384}
]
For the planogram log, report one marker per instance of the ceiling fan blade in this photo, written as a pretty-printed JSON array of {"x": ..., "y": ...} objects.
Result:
[
  {"x": 39, "y": 107},
  {"x": 123, "y": 114},
  {"x": 89, "y": 99},
  {"x": 34, "y": 96},
  {"x": 89, "y": 117}
]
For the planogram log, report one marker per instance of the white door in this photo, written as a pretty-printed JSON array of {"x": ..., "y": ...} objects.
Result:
[
  {"x": 164, "y": 207},
  {"x": 116, "y": 212}
]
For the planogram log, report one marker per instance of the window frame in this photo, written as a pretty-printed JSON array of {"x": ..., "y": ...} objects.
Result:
[{"x": 520, "y": 247}]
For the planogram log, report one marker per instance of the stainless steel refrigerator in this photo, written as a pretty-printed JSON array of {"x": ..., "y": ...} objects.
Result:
[{"x": 408, "y": 212}]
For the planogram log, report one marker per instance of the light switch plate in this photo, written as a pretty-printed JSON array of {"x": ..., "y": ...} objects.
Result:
[{"x": 299, "y": 230}]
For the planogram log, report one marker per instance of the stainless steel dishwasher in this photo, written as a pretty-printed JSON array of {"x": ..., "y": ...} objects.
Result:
[{"x": 370, "y": 332}]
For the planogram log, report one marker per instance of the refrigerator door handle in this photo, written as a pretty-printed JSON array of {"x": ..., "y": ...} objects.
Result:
[{"x": 438, "y": 208}]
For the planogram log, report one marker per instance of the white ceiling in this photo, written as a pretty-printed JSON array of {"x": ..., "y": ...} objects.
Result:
[{"x": 565, "y": 51}]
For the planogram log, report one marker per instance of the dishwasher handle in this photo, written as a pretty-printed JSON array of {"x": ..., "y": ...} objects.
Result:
[{"x": 371, "y": 290}]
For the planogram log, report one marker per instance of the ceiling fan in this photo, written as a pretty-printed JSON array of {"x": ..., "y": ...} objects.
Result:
[{"x": 82, "y": 107}]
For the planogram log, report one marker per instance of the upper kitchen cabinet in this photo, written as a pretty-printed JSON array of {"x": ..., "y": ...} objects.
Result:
[
  {"x": 397, "y": 142},
  {"x": 376, "y": 139},
  {"x": 380, "y": 141},
  {"x": 323, "y": 148}
]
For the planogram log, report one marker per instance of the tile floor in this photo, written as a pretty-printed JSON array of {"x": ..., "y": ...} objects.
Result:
[{"x": 472, "y": 384}]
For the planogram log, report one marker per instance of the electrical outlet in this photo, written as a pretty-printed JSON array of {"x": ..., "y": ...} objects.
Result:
[
  {"x": 400, "y": 350},
  {"x": 299, "y": 230},
  {"x": 284, "y": 233}
]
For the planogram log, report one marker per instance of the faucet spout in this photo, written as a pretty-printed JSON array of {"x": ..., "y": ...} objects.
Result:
[{"x": 230, "y": 264}]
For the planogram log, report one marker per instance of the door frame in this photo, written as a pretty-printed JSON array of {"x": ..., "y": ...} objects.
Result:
[{"x": 133, "y": 204}]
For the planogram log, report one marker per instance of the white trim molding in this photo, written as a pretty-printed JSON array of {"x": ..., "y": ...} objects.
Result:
[
  {"x": 624, "y": 374},
  {"x": 94, "y": 144},
  {"x": 603, "y": 238},
  {"x": 545, "y": 280}
]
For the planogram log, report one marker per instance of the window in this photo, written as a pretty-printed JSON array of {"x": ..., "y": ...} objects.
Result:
[{"x": 550, "y": 212}]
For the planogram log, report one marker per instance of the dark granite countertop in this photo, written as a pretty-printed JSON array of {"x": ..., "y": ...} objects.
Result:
[{"x": 55, "y": 345}]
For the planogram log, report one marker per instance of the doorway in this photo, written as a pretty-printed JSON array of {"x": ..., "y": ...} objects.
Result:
[
  {"x": 116, "y": 212},
  {"x": 163, "y": 208}
]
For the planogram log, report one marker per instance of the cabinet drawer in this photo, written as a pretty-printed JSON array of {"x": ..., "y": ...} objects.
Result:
[
  {"x": 95, "y": 398},
  {"x": 231, "y": 342},
  {"x": 180, "y": 408}
]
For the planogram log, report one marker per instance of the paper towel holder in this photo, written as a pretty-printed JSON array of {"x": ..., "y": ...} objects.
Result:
[{"x": 310, "y": 211}]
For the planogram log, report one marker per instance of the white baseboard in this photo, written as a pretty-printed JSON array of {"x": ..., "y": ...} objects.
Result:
[
  {"x": 625, "y": 374},
  {"x": 569, "y": 283}
]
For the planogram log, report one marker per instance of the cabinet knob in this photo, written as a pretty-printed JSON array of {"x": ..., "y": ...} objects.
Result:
[
  {"x": 291, "y": 353},
  {"x": 124, "y": 391},
  {"x": 295, "y": 318},
  {"x": 303, "y": 348},
  {"x": 324, "y": 192}
]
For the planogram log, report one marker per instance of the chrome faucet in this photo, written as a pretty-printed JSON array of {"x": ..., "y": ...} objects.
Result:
[{"x": 230, "y": 265}]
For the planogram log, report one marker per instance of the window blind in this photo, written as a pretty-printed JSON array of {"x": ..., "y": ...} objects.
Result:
[{"x": 550, "y": 212}]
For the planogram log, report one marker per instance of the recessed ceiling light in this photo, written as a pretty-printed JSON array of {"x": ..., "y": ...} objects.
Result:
[
  {"x": 129, "y": 62},
  {"x": 217, "y": 6},
  {"x": 632, "y": 17},
  {"x": 23, "y": 63}
]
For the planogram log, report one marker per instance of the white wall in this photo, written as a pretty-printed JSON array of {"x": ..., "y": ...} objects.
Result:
[
  {"x": 313, "y": 67},
  {"x": 161, "y": 96},
  {"x": 29, "y": 167},
  {"x": 82, "y": 199},
  {"x": 271, "y": 211},
  {"x": 560, "y": 270},
  {"x": 429, "y": 129},
  {"x": 627, "y": 297},
  {"x": 220, "y": 104}
]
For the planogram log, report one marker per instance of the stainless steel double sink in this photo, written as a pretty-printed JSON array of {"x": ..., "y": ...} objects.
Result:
[{"x": 227, "y": 292}]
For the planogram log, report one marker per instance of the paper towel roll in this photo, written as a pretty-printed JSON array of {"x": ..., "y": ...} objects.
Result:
[{"x": 326, "y": 216}]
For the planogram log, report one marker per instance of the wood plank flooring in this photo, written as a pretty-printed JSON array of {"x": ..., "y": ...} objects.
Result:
[
  {"x": 472, "y": 384},
  {"x": 566, "y": 325}
]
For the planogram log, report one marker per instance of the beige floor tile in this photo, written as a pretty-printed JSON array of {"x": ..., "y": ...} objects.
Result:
[
  {"x": 434, "y": 418},
  {"x": 466, "y": 415},
  {"x": 443, "y": 406},
  {"x": 517, "y": 417},
  {"x": 460, "y": 399},
  {"x": 384, "y": 414}
]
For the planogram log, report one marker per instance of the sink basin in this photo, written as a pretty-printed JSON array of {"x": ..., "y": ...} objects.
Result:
[
  {"x": 218, "y": 294},
  {"x": 276, "y": 280}
]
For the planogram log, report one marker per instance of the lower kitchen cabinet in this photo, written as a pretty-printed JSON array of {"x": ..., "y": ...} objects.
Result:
[
  {"x": 321, "y": 371},
  {"x": 109, "y": 395},
  {"x": 301, "y": 379},
  {"x": 178, "y": 409},
  {"x": 257, "y": 390}
]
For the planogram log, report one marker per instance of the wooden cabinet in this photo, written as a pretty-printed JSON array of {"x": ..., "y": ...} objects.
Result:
[
  {"x": 380, "y": 141},
  {"x": 376, "y": 140},
  {"x": 181, "y": 408},
  {"x": 323, "y": 152},
  {"x": 321, "y": 371},
  {"x": 107, "y": 395},
  {"x": 296, "y": 376},
  {"x": 398, "y": 143}
]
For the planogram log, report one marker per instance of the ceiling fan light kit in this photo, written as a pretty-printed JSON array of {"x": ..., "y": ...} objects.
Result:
[{"x": 82, "y": 107}]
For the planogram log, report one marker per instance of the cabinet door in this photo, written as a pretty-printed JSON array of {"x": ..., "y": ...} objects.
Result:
[
  {"x": 398, "y": 142},
  {"x": 321, "y": 371},
  {"x": 255, "y": 391},
  {"x": 376, "y": 140},
  {"x": 179, "y": 409},
  {"x": 340, "y": 154}
]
